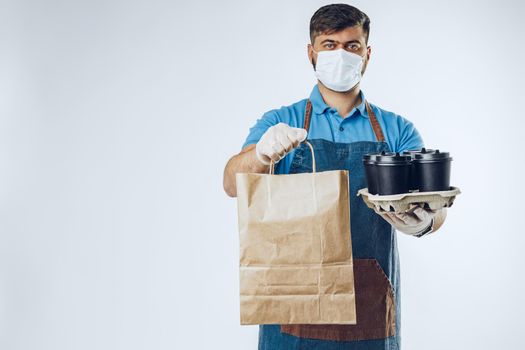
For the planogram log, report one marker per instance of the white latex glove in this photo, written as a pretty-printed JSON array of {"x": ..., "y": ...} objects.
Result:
[
  {"x": 277, "y": 141},
  {"x": 412, "y": 222}
]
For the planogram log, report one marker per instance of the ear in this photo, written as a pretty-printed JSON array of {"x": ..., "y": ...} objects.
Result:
[
  {"x": 310, "y": 53},
  {"x": 368, "y": 52}
]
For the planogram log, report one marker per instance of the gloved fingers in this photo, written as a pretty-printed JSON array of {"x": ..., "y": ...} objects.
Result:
[
  {"x": 390, "y": 217},
  {"x": 275, "y": 157},
  {"x": 269, "y": 147},
  {"x": 414, "y": 206},
  {"x": 422, "y": 214},
  {"x": 286, "y": 143},
  {"x": 300, "y": 134},
  {"x": 397, "y": 221},
  {"x": 279, "y": 140},
  {"x": 408, "y": 219},
  {"x": 292, "y": 136},
  {"x": 263, "y": 158},
  {"x": 261, "y": 150},
  {"x": 278, "y": 151}
]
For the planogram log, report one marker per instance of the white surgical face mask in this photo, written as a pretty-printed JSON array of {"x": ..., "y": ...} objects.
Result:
[{"x": 338, "y": 70}]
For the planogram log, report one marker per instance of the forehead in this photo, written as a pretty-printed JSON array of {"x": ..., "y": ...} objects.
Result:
[{"x": 345, "y": 35}]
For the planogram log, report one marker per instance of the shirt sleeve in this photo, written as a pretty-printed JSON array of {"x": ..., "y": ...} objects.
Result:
[
  {"x": 259, "y": 128},
  {"x": 410, "y": 139}
]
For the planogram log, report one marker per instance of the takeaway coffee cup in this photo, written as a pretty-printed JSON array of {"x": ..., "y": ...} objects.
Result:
[
  {"x": 414, "y": 180},
  {"x": 431, "y": 170},
  {"x": 387, "y": 173},
  {"x": 371, "y": 172}
]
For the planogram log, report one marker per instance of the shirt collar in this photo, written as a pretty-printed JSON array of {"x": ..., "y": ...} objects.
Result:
[{"x": 319, "y": 106}]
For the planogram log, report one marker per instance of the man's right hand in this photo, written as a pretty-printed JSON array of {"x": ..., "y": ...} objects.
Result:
[{"x": 277, "y": 141}]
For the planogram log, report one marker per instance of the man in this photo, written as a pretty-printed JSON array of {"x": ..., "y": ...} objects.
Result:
[{"x": 341, "y": 126}]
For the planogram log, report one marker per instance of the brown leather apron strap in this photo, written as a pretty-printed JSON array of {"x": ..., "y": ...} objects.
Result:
[
  {"x": 375, "y": 124},
  {"x": 307, "y": 114},
  {"x": 371, "y": 116}
]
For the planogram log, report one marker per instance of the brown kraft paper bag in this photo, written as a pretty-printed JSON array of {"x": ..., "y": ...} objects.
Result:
[{"x": 295, "y": 248}]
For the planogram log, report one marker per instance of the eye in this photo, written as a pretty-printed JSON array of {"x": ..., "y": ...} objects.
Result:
[
  {"x": 353, "y": 47},
  {"x": 329, "y": 45}
]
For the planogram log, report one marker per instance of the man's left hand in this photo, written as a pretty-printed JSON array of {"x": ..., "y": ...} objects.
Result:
[{"x": 413, "y": 221}]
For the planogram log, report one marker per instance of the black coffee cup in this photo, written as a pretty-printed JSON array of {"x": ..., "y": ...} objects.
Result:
[
  {"x": 387, "y": 173},
  {"x": 431, "y": 169},
  {"x": 369, "y": 161},
  {"x": 414, "y": 179}
]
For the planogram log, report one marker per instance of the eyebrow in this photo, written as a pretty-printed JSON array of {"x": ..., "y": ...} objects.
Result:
[{"x": 334, "y": 41}]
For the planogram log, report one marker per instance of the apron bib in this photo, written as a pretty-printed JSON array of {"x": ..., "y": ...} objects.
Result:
[{"x": 374, "y": 247}]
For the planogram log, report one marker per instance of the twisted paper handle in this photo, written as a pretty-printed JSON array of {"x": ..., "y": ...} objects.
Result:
[{"x": 272, "y": 164}]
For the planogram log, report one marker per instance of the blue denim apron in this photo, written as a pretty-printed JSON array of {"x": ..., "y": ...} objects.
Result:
[{"x": 376, "y": 261}]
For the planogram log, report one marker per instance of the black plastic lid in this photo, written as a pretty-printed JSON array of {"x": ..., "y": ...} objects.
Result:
[
  {"x": 423, "y": 150},
  {"x": 371, "y": 157},
  {"x": 392, "y": 158},
  {"x": 436, "y": 155}
]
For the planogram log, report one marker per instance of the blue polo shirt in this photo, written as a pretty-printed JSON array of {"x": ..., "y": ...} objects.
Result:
[{"x": 326, "y": 123}]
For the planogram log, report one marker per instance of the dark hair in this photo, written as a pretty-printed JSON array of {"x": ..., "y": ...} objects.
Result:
[{"x": 336, "y": 17}]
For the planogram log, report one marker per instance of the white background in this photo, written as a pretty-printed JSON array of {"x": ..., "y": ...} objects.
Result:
[{"x": 116, "y": 121}]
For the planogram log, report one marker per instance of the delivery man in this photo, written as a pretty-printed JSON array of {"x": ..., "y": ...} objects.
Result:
[{"x": 342, "y": 126}]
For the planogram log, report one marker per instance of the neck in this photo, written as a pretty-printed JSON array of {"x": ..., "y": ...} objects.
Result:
[{"x": 343, "y": 102}]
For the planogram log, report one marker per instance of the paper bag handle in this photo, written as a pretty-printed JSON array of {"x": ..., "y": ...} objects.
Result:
[{"x": 272, "y": 163}]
